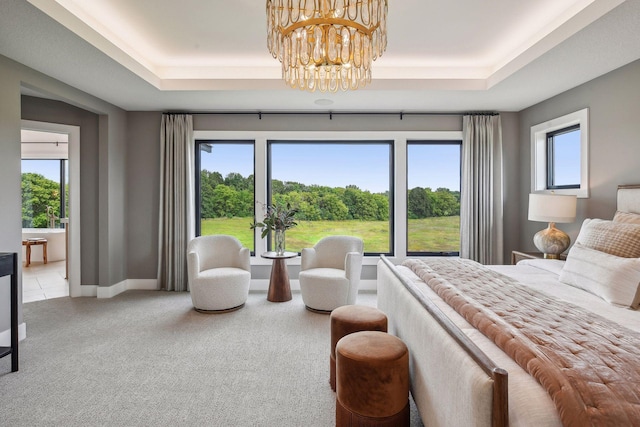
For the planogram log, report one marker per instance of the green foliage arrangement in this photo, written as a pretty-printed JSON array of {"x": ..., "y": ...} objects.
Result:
[{"x": 277, "y": 217}]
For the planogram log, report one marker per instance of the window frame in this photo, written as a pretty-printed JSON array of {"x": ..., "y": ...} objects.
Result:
[
  {"x": 429, "y": 142},
  {"x": 540, "y": 155},
  {"x": 389, "y": 143},
  {"x": 198, "y": 142},
  {"x": 551, "y": 146},
  {"x": 399, "y": 138}
]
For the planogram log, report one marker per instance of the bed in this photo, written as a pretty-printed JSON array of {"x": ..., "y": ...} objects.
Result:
[{"x": 460, "y": 377}]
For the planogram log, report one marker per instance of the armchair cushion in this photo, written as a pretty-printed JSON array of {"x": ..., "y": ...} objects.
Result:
[
  {"x": 321, "y": 274},
  {"x": 220, "y": 289},
  {"x": 325, "y": 288}
]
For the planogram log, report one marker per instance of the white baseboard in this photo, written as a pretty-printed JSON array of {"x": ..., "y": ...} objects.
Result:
[
  {"x": 88, "y": 290},
  {"x": 257, "y": 285},
  {"x": 112, "y": 291},
  {"x": 262, "y": 285},
  {"x": 143, "y": 284},
  {"x": 5, "y": 336},
  {"x": 368, "y": 285},
  {"x": 125, "y": 285}
]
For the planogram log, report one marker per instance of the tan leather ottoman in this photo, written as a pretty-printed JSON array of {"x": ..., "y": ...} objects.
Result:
[
  {"x": 348, "y": 319},
  {"x": 372, "y": 380}
]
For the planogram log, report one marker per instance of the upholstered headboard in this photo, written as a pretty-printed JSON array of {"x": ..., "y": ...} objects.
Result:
[{"x": 629, "y": 198}]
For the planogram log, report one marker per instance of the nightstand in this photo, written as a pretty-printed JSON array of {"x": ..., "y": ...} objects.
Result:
[{"x": 519, "y": 256}]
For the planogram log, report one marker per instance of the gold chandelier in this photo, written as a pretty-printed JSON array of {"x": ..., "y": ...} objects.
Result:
[{"x": 326, "y": 44}]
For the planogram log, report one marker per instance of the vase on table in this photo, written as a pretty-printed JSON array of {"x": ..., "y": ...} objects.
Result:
[{"x": 279, "y": 242}]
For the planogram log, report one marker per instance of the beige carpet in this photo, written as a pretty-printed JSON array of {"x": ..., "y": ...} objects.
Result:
[{"x": 146, "y": 358}]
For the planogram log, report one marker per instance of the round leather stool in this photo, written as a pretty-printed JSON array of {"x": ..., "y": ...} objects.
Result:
[
  {"x": 372, "y": 373},
  {"x": 348, "y": 319}
]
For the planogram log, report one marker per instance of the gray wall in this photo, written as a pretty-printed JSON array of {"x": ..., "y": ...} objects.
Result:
[
  {"x": 10, "y": 192},
  {"x": 323, "y": 122},
  {"x": 112, "y": 235},
  {"x": 614, "y": 145},
  {"x": 143, "y": 193},
  {"x": 111, "y": 254},
  {"x": 511, "y": 154}
]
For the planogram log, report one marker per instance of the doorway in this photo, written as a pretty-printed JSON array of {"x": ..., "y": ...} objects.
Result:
[{"x": 69, "y": 208}]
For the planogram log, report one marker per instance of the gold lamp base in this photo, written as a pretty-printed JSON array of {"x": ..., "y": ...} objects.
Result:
[{"x": 551, "y": 241}]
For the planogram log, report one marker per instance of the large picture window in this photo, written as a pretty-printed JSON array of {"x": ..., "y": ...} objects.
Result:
[
  {"x": 340, "y": 187},
  {"x": 433, "y": 197},
  {"x": 225, "y": 189}
]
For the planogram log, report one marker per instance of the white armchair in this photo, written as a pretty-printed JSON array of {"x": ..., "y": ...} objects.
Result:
[
  {"x": 219, "y": 273},
  {"x": 330, "y": 273}
]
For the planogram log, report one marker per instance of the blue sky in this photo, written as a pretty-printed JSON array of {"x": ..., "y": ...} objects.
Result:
[
  {"x": 334, "y": 165},
  {"x": 48, "y": 168},
  {"x": 434, "y": 166},
  {"x": 227, "y": 158},
  {"x": 337, "y": 165},
  {"x": 567, "y": 158}
]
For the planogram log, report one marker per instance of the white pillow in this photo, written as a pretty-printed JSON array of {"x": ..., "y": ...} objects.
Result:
[{"x": 612, "y": 278}]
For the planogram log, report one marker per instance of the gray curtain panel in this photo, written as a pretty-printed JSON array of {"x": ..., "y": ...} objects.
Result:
[
  {"x": 481, "y": 231},
  {"x": 176, "y": 200}
]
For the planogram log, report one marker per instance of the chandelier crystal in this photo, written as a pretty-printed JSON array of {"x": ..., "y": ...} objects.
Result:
[{"x": 326, "y": 44}]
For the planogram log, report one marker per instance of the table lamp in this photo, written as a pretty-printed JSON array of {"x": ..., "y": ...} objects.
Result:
[{"x": 552, "y": 208}]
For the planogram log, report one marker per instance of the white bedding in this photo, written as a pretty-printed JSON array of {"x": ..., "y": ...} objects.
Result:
[
  {"x": 542, "y": 274},
  {"x": 529, "y": 403}
]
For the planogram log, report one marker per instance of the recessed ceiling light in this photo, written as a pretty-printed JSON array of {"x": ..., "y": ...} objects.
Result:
[{"x": 323, "y": 101}]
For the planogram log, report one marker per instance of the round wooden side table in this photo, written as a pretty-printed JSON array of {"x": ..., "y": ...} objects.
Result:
[{"x": 279, "y": 285}]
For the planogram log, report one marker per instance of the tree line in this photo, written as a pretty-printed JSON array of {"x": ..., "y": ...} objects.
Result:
[
  {"x": 232, "y": 196},
  {"x": 38, "y": 192}
]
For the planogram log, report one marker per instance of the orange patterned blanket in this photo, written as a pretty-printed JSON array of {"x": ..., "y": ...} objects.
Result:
[{"x": 589, "y": 366}]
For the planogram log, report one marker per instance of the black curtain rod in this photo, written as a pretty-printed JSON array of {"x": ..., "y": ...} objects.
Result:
[{"x": 401, "y": 114}]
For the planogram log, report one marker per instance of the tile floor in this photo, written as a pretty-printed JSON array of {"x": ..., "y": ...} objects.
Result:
[{"x": 44, "y": 281}]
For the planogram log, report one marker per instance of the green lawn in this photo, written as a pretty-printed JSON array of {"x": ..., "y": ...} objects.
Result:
[
  {"x": 441, "y": 234},
  {"x": 429, "y": 234}
]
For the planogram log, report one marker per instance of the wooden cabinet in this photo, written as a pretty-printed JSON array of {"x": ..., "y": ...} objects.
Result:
[{"x": 9, "y": 267}]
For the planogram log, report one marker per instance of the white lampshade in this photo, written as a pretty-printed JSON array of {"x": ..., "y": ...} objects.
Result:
[{"x": 552, "y": 207}]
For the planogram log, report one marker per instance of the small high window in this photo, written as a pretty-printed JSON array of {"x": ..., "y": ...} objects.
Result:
[
  {"x": 560, "y": 155},
  {"x": 563, "y": 158}
]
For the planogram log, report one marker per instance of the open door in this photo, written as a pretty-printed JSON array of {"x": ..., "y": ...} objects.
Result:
[{"x": 72, "y": 205}]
